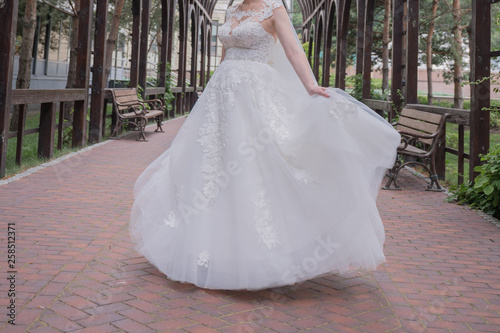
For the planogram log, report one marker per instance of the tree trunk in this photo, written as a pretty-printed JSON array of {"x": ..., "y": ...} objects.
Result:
[
  {"x": 68, "y": 106},
  {"x": 385, "y": 50},
  {"x": 25, "y": 56},
  {"x": 112, "y": 36},
  {"x": 429, "y": 52},
  {"x": 458, "y": 101}
]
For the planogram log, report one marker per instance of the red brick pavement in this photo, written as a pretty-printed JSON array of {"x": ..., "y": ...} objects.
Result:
[{"x": 77, "y": 270}]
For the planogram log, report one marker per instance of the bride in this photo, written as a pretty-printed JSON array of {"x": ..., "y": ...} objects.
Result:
[{"x": 272, "y": 180}]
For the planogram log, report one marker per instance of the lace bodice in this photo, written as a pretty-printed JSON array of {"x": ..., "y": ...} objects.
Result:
[{"x": 243, "y": 35}]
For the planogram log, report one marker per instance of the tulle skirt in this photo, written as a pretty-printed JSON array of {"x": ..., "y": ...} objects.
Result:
[{"x": 265, "y": 186}]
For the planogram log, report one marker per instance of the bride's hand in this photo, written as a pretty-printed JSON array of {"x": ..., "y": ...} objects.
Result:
[{"x": 317, "y": 90}]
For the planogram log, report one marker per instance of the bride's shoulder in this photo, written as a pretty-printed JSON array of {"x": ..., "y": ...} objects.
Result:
[
  {"x": 270, "y": 6},
  {"x": 273, "y": 4}
]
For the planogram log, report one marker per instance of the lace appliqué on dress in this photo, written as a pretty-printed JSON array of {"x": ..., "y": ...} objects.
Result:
[
  {"x": 171, "y": 221},
  {"x": 343, "y": 110},
  {"x": 268, "y": 234},
  {"x": 204, "y": 259},
  {"x": 213, "y": 138},
  {"x": 303, "y": 176}
]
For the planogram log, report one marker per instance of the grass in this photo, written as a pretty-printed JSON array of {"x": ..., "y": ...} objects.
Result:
[{"x": 452, "y": 160}]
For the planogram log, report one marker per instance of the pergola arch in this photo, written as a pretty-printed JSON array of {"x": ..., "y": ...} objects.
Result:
[{"x": 319, "y": 18}]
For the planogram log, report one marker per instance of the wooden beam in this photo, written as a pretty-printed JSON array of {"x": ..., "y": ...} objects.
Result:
[
  {"x": 361, "y": 8},
  {"x": 397, "y": 56},
  {"x": 8, "y": 17},
  {"x": 143, "y": 53},
  {"x": 367, "y": 48},
  {"x": 98, "y": 83},
  {"x": 313, "y": 13},
  {"x": 82, "y": 70},
  {"x": 480, "y": 47},
  {"x": 412, "y": 23},
  {"x": 136, "y": 35},
  {"x": 32, "y": 96},
  {"x": 204, "y": 11},
  {"x": 458, "y": 116}
]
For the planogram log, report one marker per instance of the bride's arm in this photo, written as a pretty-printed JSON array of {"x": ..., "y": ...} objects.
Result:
[
  {"x": 223, "y": 54},
  {"x": 294, "y": 52}
]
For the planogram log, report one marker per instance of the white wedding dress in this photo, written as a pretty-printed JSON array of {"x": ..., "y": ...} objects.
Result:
[{"x": 264, "y": 185}]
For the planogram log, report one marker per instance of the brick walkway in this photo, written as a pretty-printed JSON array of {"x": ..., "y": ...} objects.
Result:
[{"x": 77, "y": 270}]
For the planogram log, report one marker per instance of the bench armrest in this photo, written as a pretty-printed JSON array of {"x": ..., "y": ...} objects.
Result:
[
  {"x": 420, "y": 136},
  {"x": 156, "y": 104}
]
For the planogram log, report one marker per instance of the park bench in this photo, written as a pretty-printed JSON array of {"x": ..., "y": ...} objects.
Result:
[
  {"x": 422, "y": 133},
  {"x": 136, "y": 113}
]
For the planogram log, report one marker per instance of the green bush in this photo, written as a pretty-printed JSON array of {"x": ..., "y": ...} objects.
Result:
[
  {"x": 485, "y": 192},
  {"x": 452, "y": 140},
  {"x": 495, "y": 119}
]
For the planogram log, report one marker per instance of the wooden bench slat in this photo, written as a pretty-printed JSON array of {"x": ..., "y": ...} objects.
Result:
[
  {"x": 414, "y": 132},
  {"x": 428, "y": 128},
  {"x": 421, "y": 115},
  {"x": 415, "y": 150}
]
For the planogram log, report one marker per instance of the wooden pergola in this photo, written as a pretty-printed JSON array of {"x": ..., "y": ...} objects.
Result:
[{"x": 320, "y": 19}]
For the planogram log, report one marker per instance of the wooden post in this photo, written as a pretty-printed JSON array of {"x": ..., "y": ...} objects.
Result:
[
  {"x": 480, "y": 47},
  {"x": 461, "y": 145},
  {"x": 440, "y": 157},
  {"x": 181, "y": 71},
  {"x": 342, "y": 51},
  {"x": 82, "y": 71},
  {"x": 339, "y": 71},
  {"x": 367, "y": 48},
  {"x": 203, "y": 54},
  {"x": 412, "y": 52},
  {"x": 143, "y": 58},
  {"x": 46, "y": 52},
  {"x": 98, "y": 84},
  {"x": 36, "y": 42},
  {"x": 397, "y": 57},
  {"x": 164, "y": 42},
  {"x": 60, "y": 127},
  {"x": 136, "y": 35},
  {"x": 20, "y": 133},
  {"x": 170, "y": 36},
  {"x": 47, "y": 130},
  {"x": 8, "y": 17},
  {"x": 361, "y": 4},
  {"x": 194, "y": 55}
]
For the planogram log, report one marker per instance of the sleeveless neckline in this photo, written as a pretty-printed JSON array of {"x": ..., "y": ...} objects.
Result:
[{"x": 265, "y": 12}]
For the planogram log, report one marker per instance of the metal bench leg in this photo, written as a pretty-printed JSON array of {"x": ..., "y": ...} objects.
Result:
[
  {"x": 141, "y": 126},
  {"x": 158, "y": 124},
  {"x": 393, "y": 176},
  {"x": 434, "y": 178},
  {"x": 116, "y": 129}
]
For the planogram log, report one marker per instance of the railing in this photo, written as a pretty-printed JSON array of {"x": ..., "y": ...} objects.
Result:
[
  {"x": 458, "y": 116},
  {"x": 51, "y": 101},
  {"x": 48, "y": 100}
]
